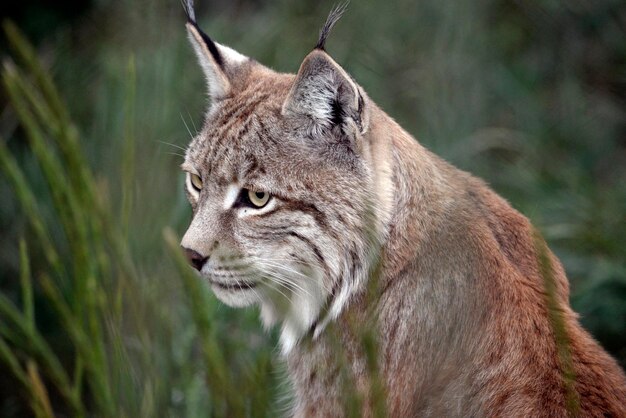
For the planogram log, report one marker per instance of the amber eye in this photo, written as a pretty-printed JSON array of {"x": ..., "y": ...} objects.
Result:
[
  {"x": 196, "y": 181},
  {"x": 258, "y": 199}
]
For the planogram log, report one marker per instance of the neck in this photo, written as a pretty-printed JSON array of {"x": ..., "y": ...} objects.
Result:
[
  {"x": 414, "y": 187},
  {"x": 413, "y": 194}
]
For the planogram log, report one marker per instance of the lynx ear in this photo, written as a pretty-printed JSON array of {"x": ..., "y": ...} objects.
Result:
[
  {"x": 326, "y": 96},
  {"x": 218, "y": 62}
]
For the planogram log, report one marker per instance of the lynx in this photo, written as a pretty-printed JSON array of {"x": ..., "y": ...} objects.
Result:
[{"x": 310, "y": 202}]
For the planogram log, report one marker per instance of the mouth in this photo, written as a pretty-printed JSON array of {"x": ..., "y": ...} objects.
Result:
[{"x": 234, "y": 286}]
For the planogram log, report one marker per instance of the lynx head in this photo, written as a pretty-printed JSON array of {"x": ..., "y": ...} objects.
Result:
[{"x": 280, "y": 182}]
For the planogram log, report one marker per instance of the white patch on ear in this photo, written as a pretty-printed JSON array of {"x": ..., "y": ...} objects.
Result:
[{"x": 231, "y": 56}]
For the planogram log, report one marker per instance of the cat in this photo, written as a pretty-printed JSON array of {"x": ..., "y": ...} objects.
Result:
[{"x": 311, "y": 202}]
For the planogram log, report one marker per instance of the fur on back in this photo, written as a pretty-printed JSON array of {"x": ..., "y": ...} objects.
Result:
[{"x": 460, "y": 310}]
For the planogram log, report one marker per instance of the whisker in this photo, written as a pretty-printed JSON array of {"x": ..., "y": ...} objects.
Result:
[
  {"x": 255, "y": 293},
  {"x": 187, "y": 127},
  {"x": 277, "y": 288},
  {"x": 284, "y": 281},
  {"x": 271, "y": 266},
  {"x": 287, "y": 261},
  {"x": 286, "y": 269},
  {"x": 192, "y": 124},
  {"x": 172, "y": 145},
  {"x": 282, "y": 261},
  {"x": 298, "y": 273}
]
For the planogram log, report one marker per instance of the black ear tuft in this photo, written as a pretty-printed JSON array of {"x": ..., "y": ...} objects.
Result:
[
  {"x": 191, "y": 19},
  {"x": 189, "y": 11},
  {"x": 333, "y": 17}
]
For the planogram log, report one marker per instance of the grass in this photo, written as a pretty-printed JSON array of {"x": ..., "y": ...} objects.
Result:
[
  {"x": 98, "y": 315},
  {"x": 121, "y": 367}
]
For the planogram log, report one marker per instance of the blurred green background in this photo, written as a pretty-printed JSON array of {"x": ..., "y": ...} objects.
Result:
[{"x": 529, "y": 95}]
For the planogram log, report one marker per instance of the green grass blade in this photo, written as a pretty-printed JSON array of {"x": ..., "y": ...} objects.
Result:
[
  {"x": 227, "y": 397},
  {"x": 27, "y": 286},
  {"x": 18, "y": 330},
  {"x": 89, "y": 349},
  {"x": 54, "y": 172},
  {"x": 10, "y": 359},
  {"x": 39, "y": 392},
  {"x": 53, "y": 113},
  {"x": 128, "y": 155},
  {"x": 30, "y": 207},
  {"x": 27, "y": 54},
  {"x": 557, "y": 323}
]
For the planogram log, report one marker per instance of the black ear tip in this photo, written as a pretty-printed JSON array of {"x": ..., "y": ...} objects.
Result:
[
  {"x": 333, "y": 17},
  {"x": 189, "y": 11},
  {"x": 191, "y": 20}
]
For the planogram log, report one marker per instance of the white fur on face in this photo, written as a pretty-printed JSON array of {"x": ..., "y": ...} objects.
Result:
[
  {"x": 293, "y": 299},
  {"x": 232, "y": 191},
  {"x": 231, "y": 278}
]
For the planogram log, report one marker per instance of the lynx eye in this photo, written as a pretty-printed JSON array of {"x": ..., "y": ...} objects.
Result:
[
  {"x": 196, "y": 181},
  {"x": 258, "y": 199}
]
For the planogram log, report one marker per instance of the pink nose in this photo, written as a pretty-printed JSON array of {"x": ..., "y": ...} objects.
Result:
[{"x": 195, "y": 258}]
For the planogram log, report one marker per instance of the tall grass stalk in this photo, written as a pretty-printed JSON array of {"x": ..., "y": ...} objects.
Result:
[
  {"x": 128, "y": 155},
  {"x": 557, "y": 323},
  {"x": 228, "y": 402},
  {"x": 79, "y": 296}
]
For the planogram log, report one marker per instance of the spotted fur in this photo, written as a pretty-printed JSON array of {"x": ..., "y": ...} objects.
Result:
[{"x": 460, "y": 308}]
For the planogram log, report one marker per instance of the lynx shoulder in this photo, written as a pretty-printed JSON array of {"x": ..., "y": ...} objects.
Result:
[{"x": 312, "y": 203}]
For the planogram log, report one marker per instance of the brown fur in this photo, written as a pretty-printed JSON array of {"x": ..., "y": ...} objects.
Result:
[{"x": 465, "y": 318}]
